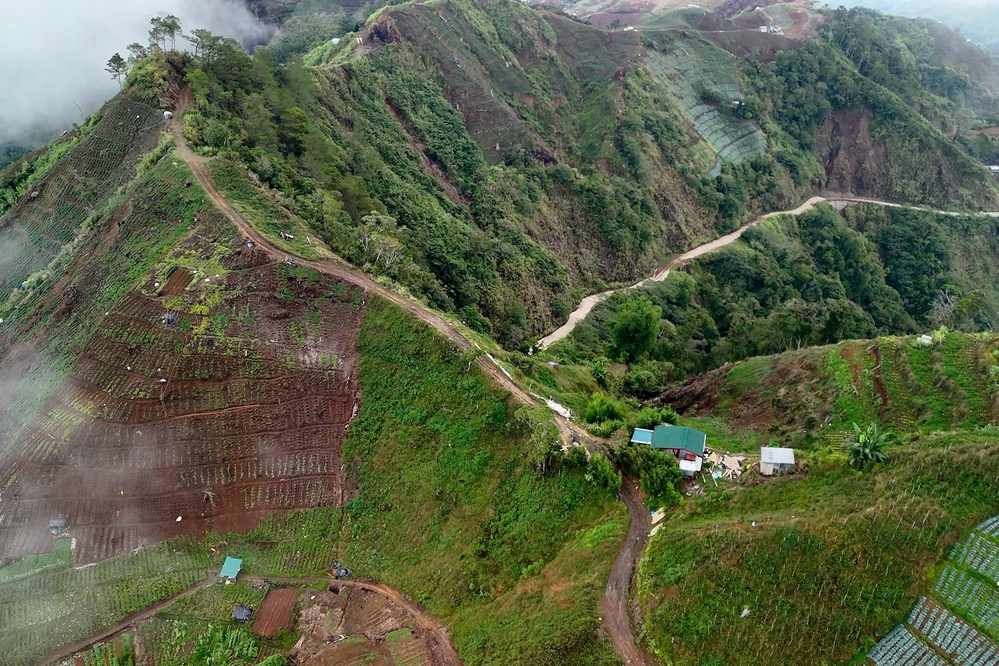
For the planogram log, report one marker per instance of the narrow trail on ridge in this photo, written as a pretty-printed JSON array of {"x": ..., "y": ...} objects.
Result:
[
  {"x": 661, "y": 273},
  {"x": 615, "y": 604}
]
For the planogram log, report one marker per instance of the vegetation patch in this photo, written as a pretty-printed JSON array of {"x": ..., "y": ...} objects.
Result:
[{"x": 836, "y": 553}]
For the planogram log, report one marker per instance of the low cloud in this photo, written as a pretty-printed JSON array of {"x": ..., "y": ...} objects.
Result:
[{"x": 53, "y": 53}]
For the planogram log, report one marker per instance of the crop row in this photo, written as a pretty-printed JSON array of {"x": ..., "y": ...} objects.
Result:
[
  {"x": 977, "y": 600},
  {"x": 292, "y": 494},
  {"x": 981, "y": 554},
  {"x": 953, "y": 636},
  {"x": 274, "y": 467},
  {"x": 901, "y": 648},
  {"x": 191, "y": 452}
]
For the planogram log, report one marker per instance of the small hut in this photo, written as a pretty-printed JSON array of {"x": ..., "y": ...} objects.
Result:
[
  {"x": 230, "y": 569},
  {"x": 775, "y": 460}
]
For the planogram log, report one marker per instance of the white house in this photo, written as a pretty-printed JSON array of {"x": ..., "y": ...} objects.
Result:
[{"x": 775, "y": 460}]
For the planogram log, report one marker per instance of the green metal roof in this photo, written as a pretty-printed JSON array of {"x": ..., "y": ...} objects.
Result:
[
  {"x": 642, "y": 436},
  {"x": 679, "y": 437},
  {"x": 231, "y": 567}
]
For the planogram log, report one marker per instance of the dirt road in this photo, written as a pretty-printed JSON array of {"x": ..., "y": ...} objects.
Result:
[
  {"x": 616, "y": 617},
  {"x": 614, "y": 607},
  {"x": 661, "y": 273}
]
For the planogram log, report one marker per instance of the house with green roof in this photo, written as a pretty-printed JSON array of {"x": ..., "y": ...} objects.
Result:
[{"x": 685, "y": 443}]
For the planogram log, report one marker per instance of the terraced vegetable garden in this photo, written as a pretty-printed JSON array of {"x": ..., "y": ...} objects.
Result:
[
  {"x": 41, "y": 612},
  {"x": 35, "y": 230},
  {"x": 204, "y": 410},
  {"x": 961, "y": 623},
  {"x": 692, "y": 69}
]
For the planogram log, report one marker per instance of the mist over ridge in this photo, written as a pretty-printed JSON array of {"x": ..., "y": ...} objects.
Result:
[{"x": 53, "y": 53}]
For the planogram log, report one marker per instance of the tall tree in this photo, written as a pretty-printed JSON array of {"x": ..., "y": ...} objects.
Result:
[
  {"x": 171, "y": 28},
  {"x": 117, "y": 68},
  {"x": 636, "y": 328},
  {"x": 136, "y": 52},
  {"x": 157, "y": 34},
  {"x": 205, "y": 44}
]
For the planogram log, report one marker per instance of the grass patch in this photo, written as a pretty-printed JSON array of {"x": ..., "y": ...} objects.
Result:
[
  {"x": 58, "y": 606},
  {"x": 825, "y": 564},
  {"x": 449, "y": 509}
]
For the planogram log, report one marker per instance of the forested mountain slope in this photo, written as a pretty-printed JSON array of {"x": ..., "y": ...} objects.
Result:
[{"x": 517, "y": 158}]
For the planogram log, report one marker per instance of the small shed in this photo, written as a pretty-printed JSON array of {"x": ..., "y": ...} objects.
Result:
[
  {"x": 167, "y": 115},
  {"x": 242, "y": 613},
  {"x": 774, "y": 460},
  {"x": 642, "y": 436},
  {"x": 230, "y": 569},
  {"x": 57, "y": 525}
]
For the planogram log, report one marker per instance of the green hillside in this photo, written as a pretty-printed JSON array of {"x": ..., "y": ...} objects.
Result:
[
  {"x": 480, "y": 130},
  {"x": 259, "y": 329}
]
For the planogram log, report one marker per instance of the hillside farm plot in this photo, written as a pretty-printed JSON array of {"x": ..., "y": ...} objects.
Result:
[
  {"x": 692, "y": 69},
  {"x": 962, "y": 620},
  {"x": 346, "y": 626},
  {"x": 36, "y": 229},
  {"x": 60, "y": 604},
  {"x": 234, "y": 407},
  {"x": 276, "y": 611},
  {"x": 832, "y": 553}
]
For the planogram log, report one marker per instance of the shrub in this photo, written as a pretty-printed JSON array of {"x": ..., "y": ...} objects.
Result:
[
  {"x": 602, "y": 474},
  {"x": 602, "y": 408}
]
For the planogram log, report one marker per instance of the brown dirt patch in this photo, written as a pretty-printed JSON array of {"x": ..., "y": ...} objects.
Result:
[
  {"x": 154, "y": 422},
  {"x": 177, "y": 282},
  {"x": 355, "y": 625},
  {"x": 275, "y": 613},
  {"x": 851, "y": 160}
]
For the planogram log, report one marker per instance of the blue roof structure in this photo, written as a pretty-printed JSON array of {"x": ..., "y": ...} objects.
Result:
[
  {"x": 641, "y": 436},
  {"x": 231, "y": 567}
]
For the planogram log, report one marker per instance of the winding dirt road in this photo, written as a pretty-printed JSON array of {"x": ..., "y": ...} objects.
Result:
[
  {"x": 661, "y": 273},
  {"x": 615, "y": 605}
]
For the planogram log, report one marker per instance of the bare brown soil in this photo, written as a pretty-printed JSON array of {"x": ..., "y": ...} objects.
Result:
[
  {"x": 351, "y": 621},
  {"x": 178, "y": 281},
  {"x": 276, "y": 611},
  {"x": 155, "y": 424},
  {"x": 852, "y": 161}
]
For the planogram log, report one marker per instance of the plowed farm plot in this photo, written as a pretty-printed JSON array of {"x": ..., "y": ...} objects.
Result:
[
  {"x": 209, "y": 421},
  {"x": 275, "y": 613},
  {"x": 343, "y": 626}
]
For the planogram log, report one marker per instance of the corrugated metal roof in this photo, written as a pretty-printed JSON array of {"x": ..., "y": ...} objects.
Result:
[
  {"x": 642, "y": 436},
  {"x": 776, "y": 456},
  {"x": 679, "y": 437},
  {"x": 231, "y": 567}
]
